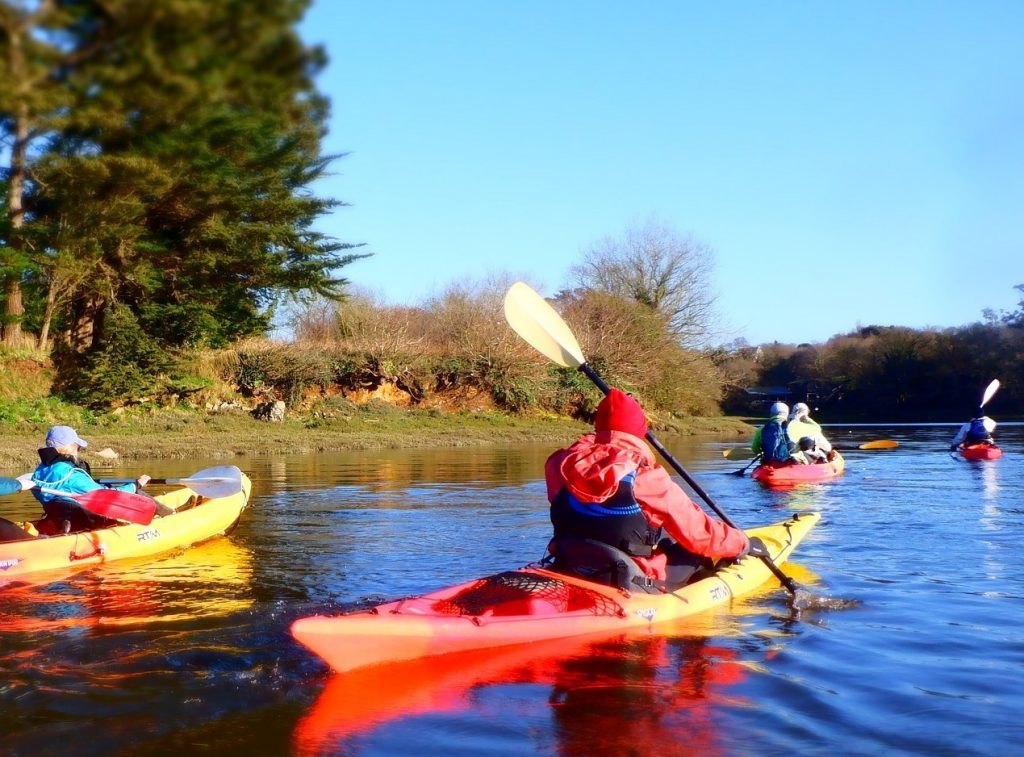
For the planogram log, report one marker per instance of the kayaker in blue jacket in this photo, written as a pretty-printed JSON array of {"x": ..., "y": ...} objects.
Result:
[
  {"x": 771, "y": 440},
  {"x": 978, "y": 430},
  {"x": 61, "y": 469}
]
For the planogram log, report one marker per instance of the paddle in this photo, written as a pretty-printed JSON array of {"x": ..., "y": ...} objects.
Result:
[
  {"x": 108, "y": 503},
  {"x": 542, "y": 328},
  {"x": 213, "y": 483},
  {"x": 744, "y": 469},
  {"x": 880, "y": 444},
  {"x": 989, "y": 391}
]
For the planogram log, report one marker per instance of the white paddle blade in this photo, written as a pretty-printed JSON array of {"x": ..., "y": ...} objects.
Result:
[
  {"x": 541, "y": 327},
  {"x": 989, "y": 391},
  {"x": 221, "y": 473}
]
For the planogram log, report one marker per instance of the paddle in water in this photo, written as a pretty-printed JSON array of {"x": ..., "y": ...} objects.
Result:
[{"x": 542, "y": 328}]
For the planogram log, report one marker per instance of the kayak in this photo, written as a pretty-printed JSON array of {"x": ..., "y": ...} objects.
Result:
[
  {"x": 24, "y": 556},
  {"x": 528, "y": 605},
  {"x": 981, "y": 452},
  {"x": 799, "y": 474}
]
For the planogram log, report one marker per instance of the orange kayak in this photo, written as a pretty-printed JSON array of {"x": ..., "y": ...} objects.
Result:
[
  {"x": 528, "y": 605},
  {"x": 981, "y": 452},
  {"x": 787, "y": 475},
  {"x": 45, "y": 558}
]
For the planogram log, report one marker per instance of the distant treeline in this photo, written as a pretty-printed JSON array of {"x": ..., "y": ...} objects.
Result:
[{"x": 885, "y": 372}]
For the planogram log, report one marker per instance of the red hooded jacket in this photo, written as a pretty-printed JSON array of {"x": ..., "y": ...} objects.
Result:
[{"x": 593, "y": 466}]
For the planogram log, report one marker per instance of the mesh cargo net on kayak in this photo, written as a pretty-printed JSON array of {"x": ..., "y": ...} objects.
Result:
[{"x": 521, "y": 593}]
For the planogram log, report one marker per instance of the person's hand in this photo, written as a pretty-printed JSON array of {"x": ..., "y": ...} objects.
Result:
[
  {"x": 141, "y": 481},
  {"x": 757, "y": 548},
  {"x": 952, "y": 448}
]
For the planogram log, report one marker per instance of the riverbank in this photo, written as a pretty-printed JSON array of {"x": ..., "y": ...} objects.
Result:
[{"x": 173, "y": 433}]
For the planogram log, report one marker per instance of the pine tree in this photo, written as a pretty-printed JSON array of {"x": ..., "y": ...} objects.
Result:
[{"x": 178, "y": 181}]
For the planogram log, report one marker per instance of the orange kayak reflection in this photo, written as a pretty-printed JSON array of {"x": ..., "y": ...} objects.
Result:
[{"x": 615, "y": 696}]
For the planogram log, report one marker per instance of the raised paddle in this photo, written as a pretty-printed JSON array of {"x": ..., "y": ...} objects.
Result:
[
  {"x": 214, "y": 483},
  {"x": 990, "y": 390},
  {"x": 542, "y": 328}
]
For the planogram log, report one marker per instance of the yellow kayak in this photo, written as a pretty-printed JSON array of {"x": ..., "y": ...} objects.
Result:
[
  {"x": 31, "y": 559},
  {"x": 528, "y": 606}
]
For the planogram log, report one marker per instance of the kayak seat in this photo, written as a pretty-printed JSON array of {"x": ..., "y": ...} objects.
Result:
[{"x": 601, "y": 563}]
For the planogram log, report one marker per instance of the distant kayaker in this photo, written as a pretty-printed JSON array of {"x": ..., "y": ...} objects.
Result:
[
  {"x": 607, "y": 487},
  {"x": 978, "y": 430},
  {"x": 771, "y": 441},
  {"x": 60, "y": 468},
  {"x": 801, "y": 426}
]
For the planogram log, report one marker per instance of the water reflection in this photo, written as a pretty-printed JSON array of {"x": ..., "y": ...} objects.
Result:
[
  {"x": 207, "y": 581},
  {"x": 632, "y": 696}
]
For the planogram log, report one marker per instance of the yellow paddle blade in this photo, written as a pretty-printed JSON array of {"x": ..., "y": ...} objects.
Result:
[
  {"x": 738, "y": 453},
  {"x": 880, "y": 444},
  {"x": 541, "y": 327}
]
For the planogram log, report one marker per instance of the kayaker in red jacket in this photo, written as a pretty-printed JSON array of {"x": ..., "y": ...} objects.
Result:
[{"x": 608, "y": 487}]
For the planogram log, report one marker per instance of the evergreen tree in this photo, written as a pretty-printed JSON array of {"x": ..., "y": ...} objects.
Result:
[{"x": 178, "y": 182}]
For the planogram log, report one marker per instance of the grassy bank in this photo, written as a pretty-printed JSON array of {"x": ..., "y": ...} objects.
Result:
[{"x": 176, "y": 433}]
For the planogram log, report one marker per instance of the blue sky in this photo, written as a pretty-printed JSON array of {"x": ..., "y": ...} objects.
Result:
[{"x": 849, "y": 163}]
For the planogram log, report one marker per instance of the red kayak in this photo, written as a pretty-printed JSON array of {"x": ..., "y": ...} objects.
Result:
[
  {"x": 981, "y": 452},
  {"x": 787, "y": 475}
]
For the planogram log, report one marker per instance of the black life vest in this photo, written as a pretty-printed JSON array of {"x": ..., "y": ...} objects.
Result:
[{"x": 618, "y": 521}]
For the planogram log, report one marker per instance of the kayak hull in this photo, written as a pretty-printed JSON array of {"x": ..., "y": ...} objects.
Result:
[
  {"x": 787, "y": 475},
  {"x": 527, "y": 605},
  {"x": 981, "y": 452},
  {"x": 32, "y": 559}
]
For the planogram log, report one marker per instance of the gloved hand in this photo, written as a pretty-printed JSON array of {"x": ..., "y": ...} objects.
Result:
[
  {"x": 757, "y": 548},
  {"x": 952, "y": 447}
]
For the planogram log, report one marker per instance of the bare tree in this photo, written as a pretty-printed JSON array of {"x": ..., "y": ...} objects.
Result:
[{"x": 656, "y": 266}]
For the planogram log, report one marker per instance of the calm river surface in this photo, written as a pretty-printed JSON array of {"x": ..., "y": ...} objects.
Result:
[{"x": 190, "y": 653}]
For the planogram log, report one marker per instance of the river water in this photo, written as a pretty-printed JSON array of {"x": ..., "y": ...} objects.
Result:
[{"x": 190, "y": 653}]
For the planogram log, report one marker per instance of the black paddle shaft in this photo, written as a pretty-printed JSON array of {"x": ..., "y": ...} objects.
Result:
[{"x": 785, "y": 580}]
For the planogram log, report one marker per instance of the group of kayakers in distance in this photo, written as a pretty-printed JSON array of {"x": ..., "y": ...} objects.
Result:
[{"x": 791, "y": 438}]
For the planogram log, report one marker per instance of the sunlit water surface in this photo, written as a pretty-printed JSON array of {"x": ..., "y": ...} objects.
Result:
[{"x": 190, "y": 653}]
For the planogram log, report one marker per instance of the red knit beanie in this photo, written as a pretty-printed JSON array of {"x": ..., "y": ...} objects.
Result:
[{"x": 620, "y": 412}]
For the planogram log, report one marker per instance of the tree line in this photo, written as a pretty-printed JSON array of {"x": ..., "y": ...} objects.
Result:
[{"x": 887, "y": 372}]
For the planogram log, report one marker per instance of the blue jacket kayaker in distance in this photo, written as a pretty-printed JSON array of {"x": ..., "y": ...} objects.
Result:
[
  {"x": 61, "y": 469},
  {"x": 771, "y": 441},
  {"x": 978, "y": 430}
]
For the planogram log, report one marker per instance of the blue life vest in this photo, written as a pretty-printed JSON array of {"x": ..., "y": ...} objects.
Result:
[
  {"x": 618, "y": 521},
  {"x": 977, "y": 432},
  {"x": 774, "y": 443}
]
